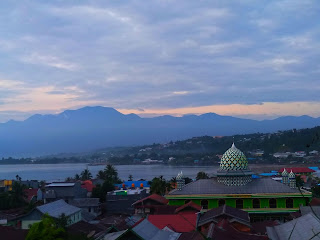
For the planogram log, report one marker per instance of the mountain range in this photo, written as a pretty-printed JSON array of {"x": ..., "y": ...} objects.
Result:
[{"x": 91, "y": 128}]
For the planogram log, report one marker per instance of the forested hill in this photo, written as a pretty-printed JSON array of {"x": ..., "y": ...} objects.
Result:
[{"x": 282, "y": 141}]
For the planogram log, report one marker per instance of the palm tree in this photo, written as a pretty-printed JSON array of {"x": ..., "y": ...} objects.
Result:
[
  {"x": 86, "y": 174},
  {"x": 101, "y": 175},
  {"x": 111, "y": 174},
  {"x": 18, "y": 194}
]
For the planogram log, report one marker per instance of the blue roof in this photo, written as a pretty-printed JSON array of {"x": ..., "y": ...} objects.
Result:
[
  {"x": 136, "y": 183},
  {"x": 55, "y": 209},
  {"x": 268, "y": 174},
  {"x": 255, "y": 176},
  {"x": 314, "y": 168}
]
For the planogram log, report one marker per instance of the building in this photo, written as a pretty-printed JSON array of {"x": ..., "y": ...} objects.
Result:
[
  {"x": 233, "y": 185},
  {"x": 5, "y": 185},
  {"x": 303, "y": 228},
  {"x": 64, "y": 190},
  {"x": 53, "y": 209},
  {"x": 89, "y": 205},
  {"x": 149, "y": 204},
  {"x": 299, "y": 170},
  {"x": 120, "y": 202}
]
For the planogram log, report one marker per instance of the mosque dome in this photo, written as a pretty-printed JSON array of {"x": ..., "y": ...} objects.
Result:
[{"x": 233, "y": 159}]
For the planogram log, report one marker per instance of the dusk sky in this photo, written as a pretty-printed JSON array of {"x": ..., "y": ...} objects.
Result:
[{"x": 252, "y": 59}]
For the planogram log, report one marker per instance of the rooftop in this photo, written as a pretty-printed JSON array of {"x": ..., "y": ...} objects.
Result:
[
  {"x": 176, "y": 222},
  {"x": 55, "y": 209},
  {"x": 302, "y": 228},
  {"x": 211, "y": 186},
  {"x": 298, "y": 170},
  {"x": 215, "y": 214},
  {"x": 154, "y": 197},
  {"x": 62, "y": 184}
]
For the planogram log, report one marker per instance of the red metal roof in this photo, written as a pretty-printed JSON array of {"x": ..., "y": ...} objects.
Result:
[
  {"x": 187, "y": 206},
  {"x": 298, "y": 170},
  {"x": 176, "y": 222},
  {"x": 154, "y": 197},
  {"x": 30, "y": 193},
  {"x": 88, "y": 185}
]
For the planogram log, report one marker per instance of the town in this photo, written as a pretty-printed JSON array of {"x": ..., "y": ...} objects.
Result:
[{"x": 234, "y": 203}]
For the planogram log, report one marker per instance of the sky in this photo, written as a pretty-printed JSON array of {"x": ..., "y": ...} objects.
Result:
[{"x": 251, "y": 59}]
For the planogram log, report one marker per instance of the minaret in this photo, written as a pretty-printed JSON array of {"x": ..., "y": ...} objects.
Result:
[
  {"x": 180, "y": 181},
  {"x": 285, "y": 177},
  {"x": 292, "y": 180}
]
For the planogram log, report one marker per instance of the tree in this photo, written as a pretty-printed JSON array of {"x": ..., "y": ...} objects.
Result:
[
  {"x": 202, "y": 175},
  {"x": 46, "y": 229},
  {"x": 130, "y": 178},
  {"x": 315, "y": 191},
  {"x": 101, "y": 174},
  {"x": 110, "y": 174},
  {"x": 18, "y": 194},
  {"x": 158, "y": 185},
  {"x": 77, "y": 177},
  {"x": 299, "y": 181},
  {"x": 101, "y": 191},
  {"x": 62, "y": 221},
  {"x": 85, "y": 175}
]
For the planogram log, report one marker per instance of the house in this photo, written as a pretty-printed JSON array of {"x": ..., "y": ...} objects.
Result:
[
  {"x": 88, "y": 185},
  {"x": 64, "y": 190},
  {"x": 53, "y": 209},
  {"x": 5, "y": 185},
  {"x": 120, "y": 202},
  {"x": 302, "y": 228},
  {"x": 182, "y": 222},
  {"x": 144, "y": 230},
  {"x": 149, "y": 204},
  {"x": 33, "y": 195},
  {"x": 237, "y": 218},
  {"x": 30, "y": 183},
  {"x": 90, "y": 205}
]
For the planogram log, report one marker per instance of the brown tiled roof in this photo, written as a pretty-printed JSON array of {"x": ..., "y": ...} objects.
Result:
[
  {"x": 86, "y": 228},
  {"x": 189, "y": 205},
  {"x": 154, "y": 197},
  {"x": 315, "y": 202},
  {"x": 226, "y": 231},
  {"x": 215, "y": 213}
]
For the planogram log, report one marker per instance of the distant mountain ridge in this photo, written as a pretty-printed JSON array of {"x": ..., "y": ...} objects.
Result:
[{"x": 91, "y": 128}]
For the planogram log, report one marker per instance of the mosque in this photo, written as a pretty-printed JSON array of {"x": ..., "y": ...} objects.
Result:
[{"x": 233, "y": 185}]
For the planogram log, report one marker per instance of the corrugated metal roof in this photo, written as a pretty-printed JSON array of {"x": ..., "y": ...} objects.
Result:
[
  {"x": 211, "y": 186},
  {"x": 147, "y": 230},
  {"x": 60, "y": 185},
  {"x": 55, "y": 209},
  {"x": 302, "y": 228}
]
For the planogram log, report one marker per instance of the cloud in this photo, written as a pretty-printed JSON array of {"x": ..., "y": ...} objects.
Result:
[
  {"x": 158, "y": 54},
  {"x": 47, "y": 60}
]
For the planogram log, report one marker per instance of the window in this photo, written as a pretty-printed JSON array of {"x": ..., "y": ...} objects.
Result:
[
  {"x": 204, "y": 204},
  {"x": 273, "y": 203},
  {"x": 221, "y": 202},
  {"x": 239, "y": 203},
  {"x": 256, "y": 203},
  {"x": 289, "y": 203}
]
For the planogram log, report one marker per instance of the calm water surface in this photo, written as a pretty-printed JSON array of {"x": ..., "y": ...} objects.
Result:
[{"x": 59, "y": 172}]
